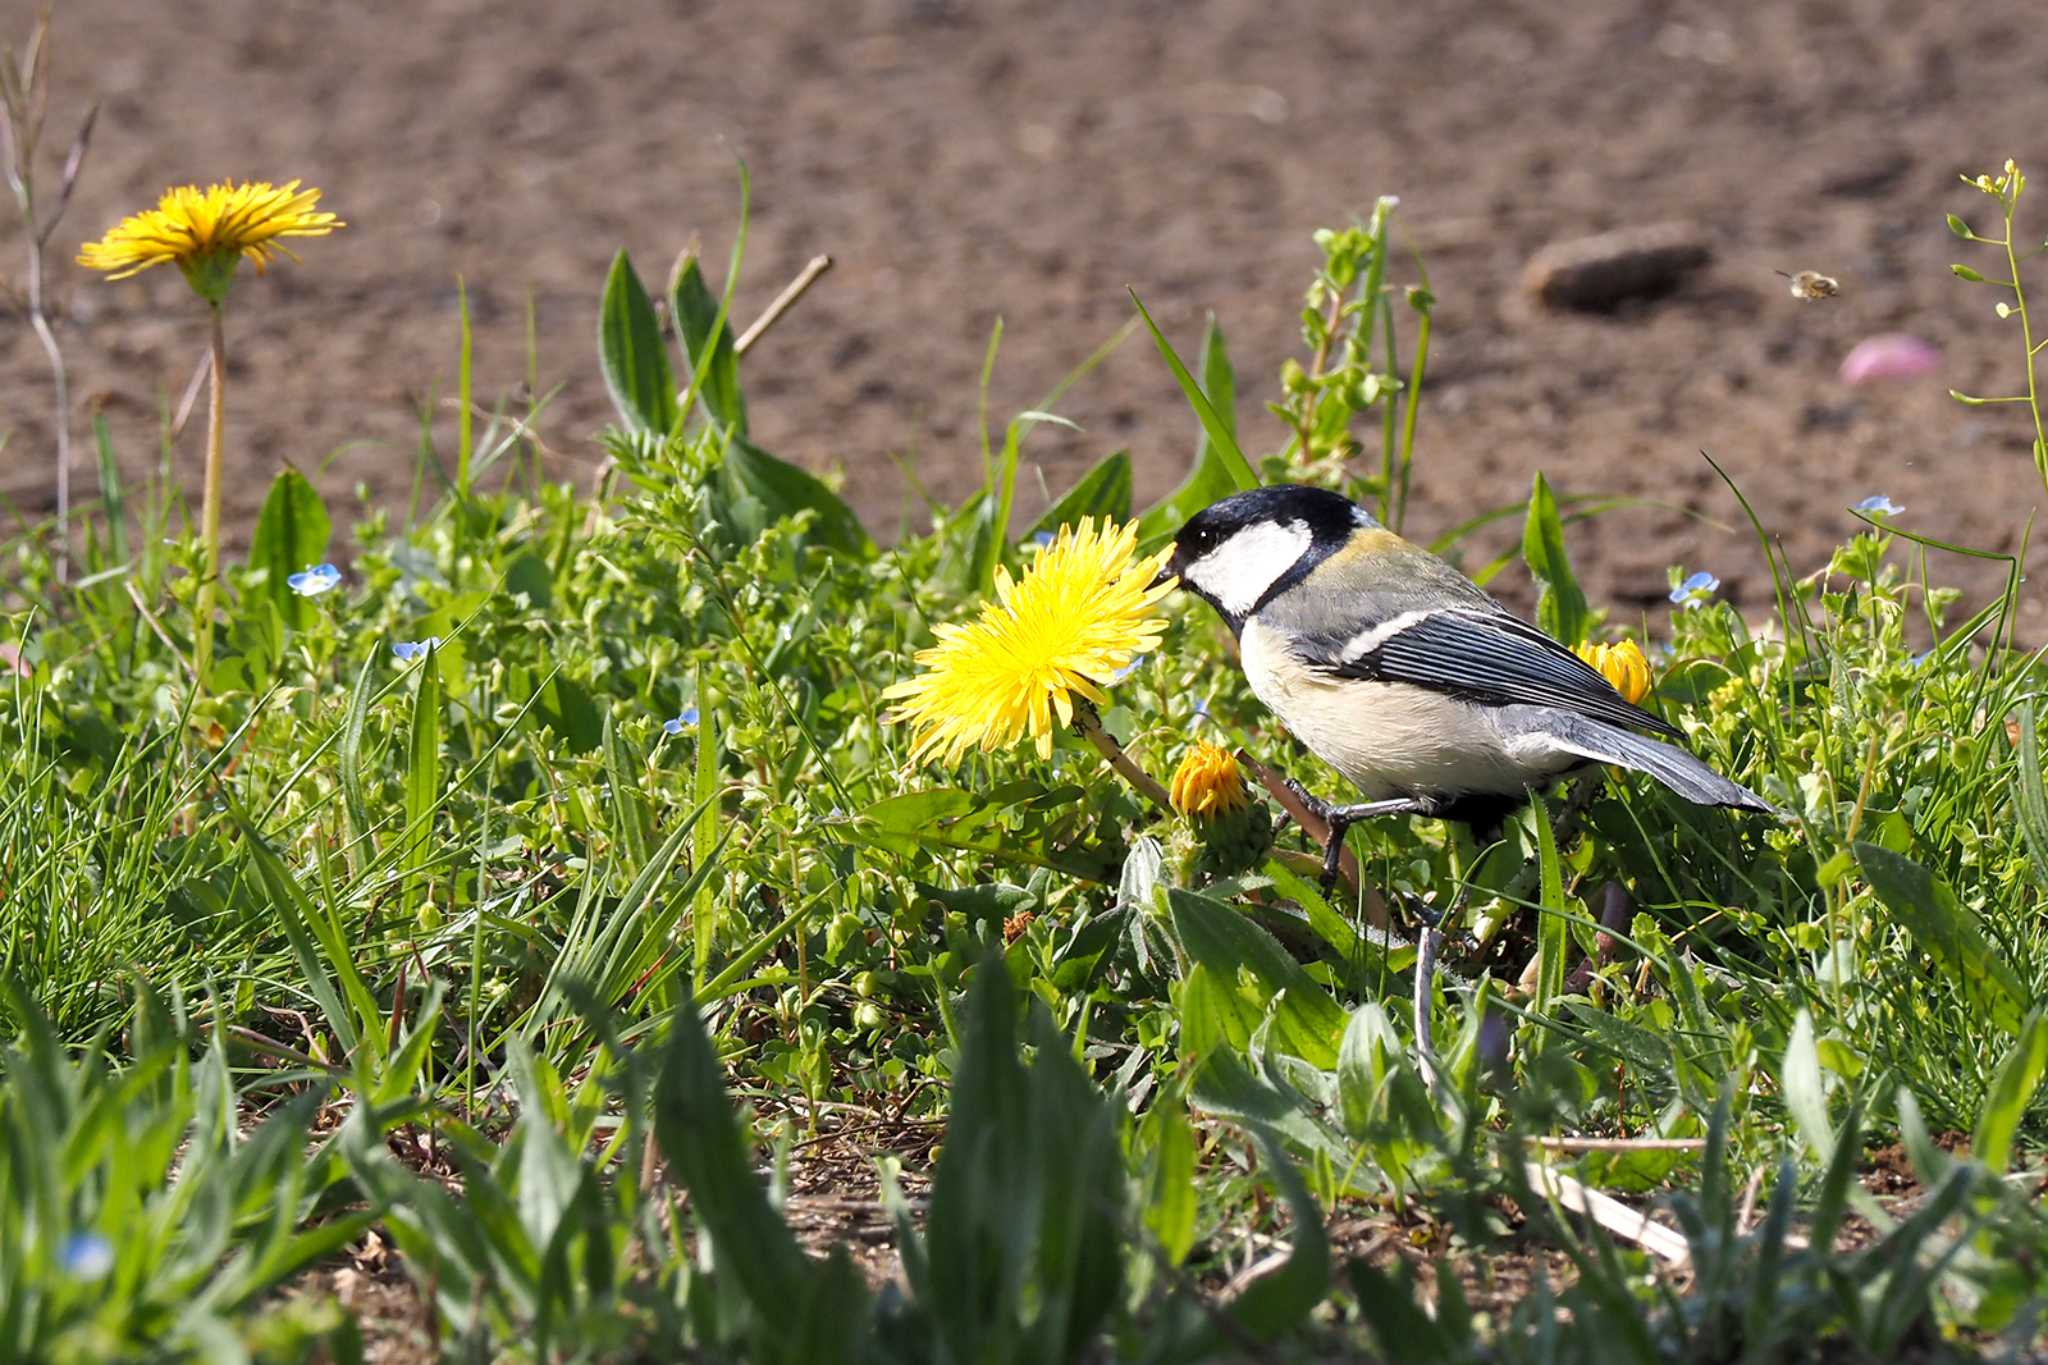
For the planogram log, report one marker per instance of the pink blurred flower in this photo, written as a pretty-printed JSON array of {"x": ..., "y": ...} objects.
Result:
[
  {"x": 1889, "y": 355},
  {"x": 12, "y": 662}
]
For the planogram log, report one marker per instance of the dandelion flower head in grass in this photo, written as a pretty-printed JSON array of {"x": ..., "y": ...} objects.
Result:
[
  {"x": 206, "y": 233},
  {"x": 1208, "y": 783},
  {"x": 1623, "y": 665},
  {"x": 1079, "y": 615}
]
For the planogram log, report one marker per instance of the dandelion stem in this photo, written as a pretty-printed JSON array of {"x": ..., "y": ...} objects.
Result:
[
  {"x": 1090, "y": 724},
  {"x": 216, "y": 415}
]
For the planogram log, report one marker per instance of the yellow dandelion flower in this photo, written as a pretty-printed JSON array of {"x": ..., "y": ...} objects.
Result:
[
  {"x": 1623, "y": 665},
  {"x": 1076, "y": 619},
  {"x": 1208, "y": 783},
  {"x": 206, "y": 233}
]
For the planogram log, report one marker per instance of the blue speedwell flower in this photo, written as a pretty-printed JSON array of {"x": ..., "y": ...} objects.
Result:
[
  {"x": 1201, "y": 714},
  {"x": 1878, "y": 505},
  {"x": 408, "y": 650},
  {"x": 311, "y": 582},
  {"x": 675, "y": 725},
  {"x": 1128, "y": 669},
  {"x": 1696, "y": 589},
  {"x": 86, "y": 1255}
]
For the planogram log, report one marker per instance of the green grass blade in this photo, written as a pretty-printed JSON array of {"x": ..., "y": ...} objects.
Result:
[
  {"x": 465, "y": 433},
  {"x": 1218, "y": 431},
  {"x": 350, "y": 754}
]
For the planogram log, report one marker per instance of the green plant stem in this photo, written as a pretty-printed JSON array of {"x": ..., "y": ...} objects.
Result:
[
  {"x": 1090, "y": 724},
  {"x": 1414, "y": 404},
  {"x": 209, "y": 532},
  {"x": 2019, "y": 296}
]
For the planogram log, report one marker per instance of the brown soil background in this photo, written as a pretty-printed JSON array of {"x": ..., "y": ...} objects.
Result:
[{"x": 1029, "y": 160}]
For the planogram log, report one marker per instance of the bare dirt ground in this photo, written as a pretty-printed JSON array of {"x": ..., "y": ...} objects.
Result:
[{"x": 1028, "y": 160}]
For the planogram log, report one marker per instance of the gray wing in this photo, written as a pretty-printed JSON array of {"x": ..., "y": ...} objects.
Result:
[{"x": 1485, "y": 656}]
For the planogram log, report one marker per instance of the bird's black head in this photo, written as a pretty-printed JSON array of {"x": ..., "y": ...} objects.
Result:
[{"x": 1239, "y": 553}]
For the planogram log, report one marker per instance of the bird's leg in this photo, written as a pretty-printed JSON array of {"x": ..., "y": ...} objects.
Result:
[{"x": 1340, "y": 820}]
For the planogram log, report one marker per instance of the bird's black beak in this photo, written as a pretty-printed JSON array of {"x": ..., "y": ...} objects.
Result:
[{"x": 1166, "y": 576}]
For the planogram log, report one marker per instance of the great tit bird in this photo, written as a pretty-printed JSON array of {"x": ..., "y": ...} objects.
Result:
[{"x": 1404, "y": 675}]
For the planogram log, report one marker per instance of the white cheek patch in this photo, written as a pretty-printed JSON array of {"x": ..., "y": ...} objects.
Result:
[{"x": 1237, "y": 573}]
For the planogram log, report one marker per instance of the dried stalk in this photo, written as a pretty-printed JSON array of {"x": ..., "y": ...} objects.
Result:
[{"x": 24, "y": 100}]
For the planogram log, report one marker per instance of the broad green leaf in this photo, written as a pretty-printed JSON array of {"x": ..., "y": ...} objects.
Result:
[
  {"x": 1947, "y": 931},
  {"x": 785, "y": 490},
  {"x": 1103, "y": 493},
  {"x": 629, "y": 349},
  {"x": 2012, "y": 1089},
  {"x": 292, "y": 533},
  {"x": 707, "y": 1150},
  {"x": 1368, "y": 1037},
  {"x": 716, "y": 374},
  {"x": 1214, "y": 1015},
  {"x": 1215, "y": 426},
  {"x": 1170, "y": 1204},
  {"x": 1308, "y": 1023},
  {"x": 1560, "y": 606}
]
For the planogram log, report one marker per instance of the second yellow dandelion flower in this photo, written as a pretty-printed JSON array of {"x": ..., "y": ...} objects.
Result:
[
  {"x": 1208, "y": 783},
  {"x": 1623, "y": 665}
]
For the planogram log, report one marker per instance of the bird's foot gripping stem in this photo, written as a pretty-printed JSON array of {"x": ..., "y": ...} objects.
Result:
[{"x": 1340, "y": 819}]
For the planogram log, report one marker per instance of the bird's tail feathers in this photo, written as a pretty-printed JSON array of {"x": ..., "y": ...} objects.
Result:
[{"x": 1672, "y": 766}]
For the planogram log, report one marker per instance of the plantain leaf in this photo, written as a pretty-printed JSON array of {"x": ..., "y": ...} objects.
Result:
[
  {"x": 291, "y": 534},
  {"x": 1561, "y": 607},
  {"x": 1307, "y": 1022},
  {"x": 629, "y": 349},
  {"x": 785, "y": 490}
]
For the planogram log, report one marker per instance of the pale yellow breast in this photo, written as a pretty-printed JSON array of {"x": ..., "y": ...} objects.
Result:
[{"x": 1389, "y": 739}]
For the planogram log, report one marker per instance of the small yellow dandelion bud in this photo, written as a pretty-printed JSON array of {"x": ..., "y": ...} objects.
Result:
[
  {"x": 1208, "y": 783},
  {"x": 1623, "y": 665}
]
